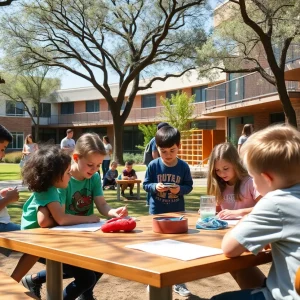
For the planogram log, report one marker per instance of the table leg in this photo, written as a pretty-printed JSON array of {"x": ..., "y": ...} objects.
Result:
[
  {"x": 138, "y": 191},
  {"x": 118, "y": 192},
  {"x": 164, "y": 293},
  {"x": 54, "y": 280}
]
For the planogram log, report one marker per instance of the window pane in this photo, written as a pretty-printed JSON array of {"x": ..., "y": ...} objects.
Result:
[
  {"x": 171, "y": 93},
  {"x": 14, "y": 108},
  {"x": 67, "y": 108},
  {"x": 17, "y": 142},
  {"x": 200, "y": 93},
  {"x": 149, "y": 101},
  {"x": 92, "y": 106}
]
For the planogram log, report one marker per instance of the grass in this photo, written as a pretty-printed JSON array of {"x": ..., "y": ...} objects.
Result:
[
  {"x": 10, "y": 171},
  {"x": 135, "y": 207}
]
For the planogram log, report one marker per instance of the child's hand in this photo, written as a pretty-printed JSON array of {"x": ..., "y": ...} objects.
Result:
[
  {"x": 228, "y": 214},
  {"x": 174, "y": 190},
  {"x": 4, "y": 191},
  {"x": 12, "y": 195},
  {"x": 160, "y": 187},
  {"x": 119, "y": 212},
  {"x": 93, "y": 219}
]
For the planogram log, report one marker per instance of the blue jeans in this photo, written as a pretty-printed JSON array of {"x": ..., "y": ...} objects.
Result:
[
  {"x": 105, "y": 167},
  {"x": 84, "y": 283},
  {"x": 5, "y": 228},
  {"x": 9, "y": 227},
  {"x": 238, "y": 295}
]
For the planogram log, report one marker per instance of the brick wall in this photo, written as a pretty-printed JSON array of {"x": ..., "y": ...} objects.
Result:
[
  {"x": 261, "y": 120},
  {"x": 221, "y": 123},
  {"x": 17, "y": 124}
]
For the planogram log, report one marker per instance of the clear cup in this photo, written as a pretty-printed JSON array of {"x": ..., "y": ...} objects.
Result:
[{"x": 207, "y": 206}]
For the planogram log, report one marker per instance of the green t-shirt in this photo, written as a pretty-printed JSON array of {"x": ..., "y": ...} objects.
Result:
[
  {"x": 78, "y": 197},
  {"x": 30, "y": 208}
]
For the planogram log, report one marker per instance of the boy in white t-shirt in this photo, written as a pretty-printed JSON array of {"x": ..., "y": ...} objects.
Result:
[
  {"x": 7, "y": 195},
  {"x": 272, "y": 157}
]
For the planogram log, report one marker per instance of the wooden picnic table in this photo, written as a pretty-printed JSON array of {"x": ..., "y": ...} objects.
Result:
[
  {"x": 106, "y": 253},
  {"x": 128, "y": 181}
]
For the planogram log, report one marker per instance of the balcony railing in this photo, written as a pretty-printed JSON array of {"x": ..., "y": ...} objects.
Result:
[{"x": 243, "y": 88}]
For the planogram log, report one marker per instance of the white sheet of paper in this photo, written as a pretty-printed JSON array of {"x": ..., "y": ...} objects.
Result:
[
  {"x": 176, "y": 249},
  {"x": 81, "y": 227}
]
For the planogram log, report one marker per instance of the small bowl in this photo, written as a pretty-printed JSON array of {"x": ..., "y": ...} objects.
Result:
[{"x": 170, "y": 225}]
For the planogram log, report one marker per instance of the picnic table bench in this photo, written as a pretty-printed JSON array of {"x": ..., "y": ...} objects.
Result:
[{"x": 12, "y": 290}]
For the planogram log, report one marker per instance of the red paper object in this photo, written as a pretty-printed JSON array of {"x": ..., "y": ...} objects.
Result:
[{"x": 118, "y": 224}]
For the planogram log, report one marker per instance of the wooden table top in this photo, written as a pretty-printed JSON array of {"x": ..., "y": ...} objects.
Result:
[
  {"x": 106, "y": 252},
  {"x": 128, "y": 180}
]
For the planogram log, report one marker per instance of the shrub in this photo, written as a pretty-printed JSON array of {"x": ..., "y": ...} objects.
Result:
[
  {"x": 137, "y": 158},
  {"x": 13, "y": 157}
]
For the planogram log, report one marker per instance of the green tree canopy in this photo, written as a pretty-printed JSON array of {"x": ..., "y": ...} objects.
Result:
[
  {"x": 252, "y": 33},
  {"x": 30, "y": 87},
  {"x": 179, "y": 110},
  {"x": 132, "y": 39}
]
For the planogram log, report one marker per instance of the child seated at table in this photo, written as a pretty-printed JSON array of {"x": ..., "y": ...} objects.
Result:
[
  {"x": 7, "y": 195},
  {"x": 128, "y": 174},
  {"x": 78, "y": 198},
  {"x": 109, "y": 181},
  {"x": 47, "y": 170},
  {"x": 272, "y": 157}
]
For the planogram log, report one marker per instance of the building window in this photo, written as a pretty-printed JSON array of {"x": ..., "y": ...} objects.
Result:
[
  {"x": 17, "y": 142},
  {"x": 172, "y": 93},
  {"x": 204, "y": 124},
  {"x": 67, "y": 108},
  {"x": 148, "y": 101},
  {"x": 92, "y": 106},
  {"x": 200, "y": 93},
  {"x": 45, "y": 110},
  {"x": 277, "y": 118},
  {"x": 14, "y": 108}
]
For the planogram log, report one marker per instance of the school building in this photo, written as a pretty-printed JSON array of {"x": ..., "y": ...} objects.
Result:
[{"x": 225, "y": 104}]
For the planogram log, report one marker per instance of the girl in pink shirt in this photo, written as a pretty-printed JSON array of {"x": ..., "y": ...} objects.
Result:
[
  {"x": 229, "y": 181},
  {"x": 236, "y": 196}
]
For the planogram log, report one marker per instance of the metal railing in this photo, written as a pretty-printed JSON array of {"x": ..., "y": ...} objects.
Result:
[{"x": 244, "y": 88}]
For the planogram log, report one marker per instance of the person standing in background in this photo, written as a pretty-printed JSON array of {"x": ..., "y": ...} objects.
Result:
[
  {"x": 67, "y": 143},
  {"x": 28, "y": 148},
  {"x": 247, "y": 130},
  {"x": 106, "y": 159}
]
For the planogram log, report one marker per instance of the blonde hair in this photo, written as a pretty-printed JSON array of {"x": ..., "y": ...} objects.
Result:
[
  {"x": 275, "y": 149},
  {"x": 89, "y": 143},
  {"x": 215, "y": 184}
]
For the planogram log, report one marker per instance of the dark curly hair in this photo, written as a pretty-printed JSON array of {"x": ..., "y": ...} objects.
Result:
[{"x": 45, "y": 166}]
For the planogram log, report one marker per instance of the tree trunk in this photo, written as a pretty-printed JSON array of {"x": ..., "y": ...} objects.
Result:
[
  {"x": 118, "y": 138},
  {"x": 285, "y": 100},
  {"x": 37, "y": 129}
]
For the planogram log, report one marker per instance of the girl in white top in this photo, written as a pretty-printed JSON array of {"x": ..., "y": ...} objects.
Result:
[
  {"x": 106, "y": 159},
  {"x": 29, "y": 147},
  {"x": 247, "y": 131}
]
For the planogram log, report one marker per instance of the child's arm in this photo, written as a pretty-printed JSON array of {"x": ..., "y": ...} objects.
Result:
[
  {"x": 231, "y": 247},
  {"x": 61, "y": 218},
  {"x": 9, "y": 195},
  {"x": 107, "y": 211},
  {"x": 25, "y": 263},
  {"x": 134, "y": 175}
]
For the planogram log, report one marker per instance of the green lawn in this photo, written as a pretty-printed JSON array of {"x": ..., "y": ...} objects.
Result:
[
  {"x": 10, "y": 171},
  {"x": 135, "y": 207}
]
